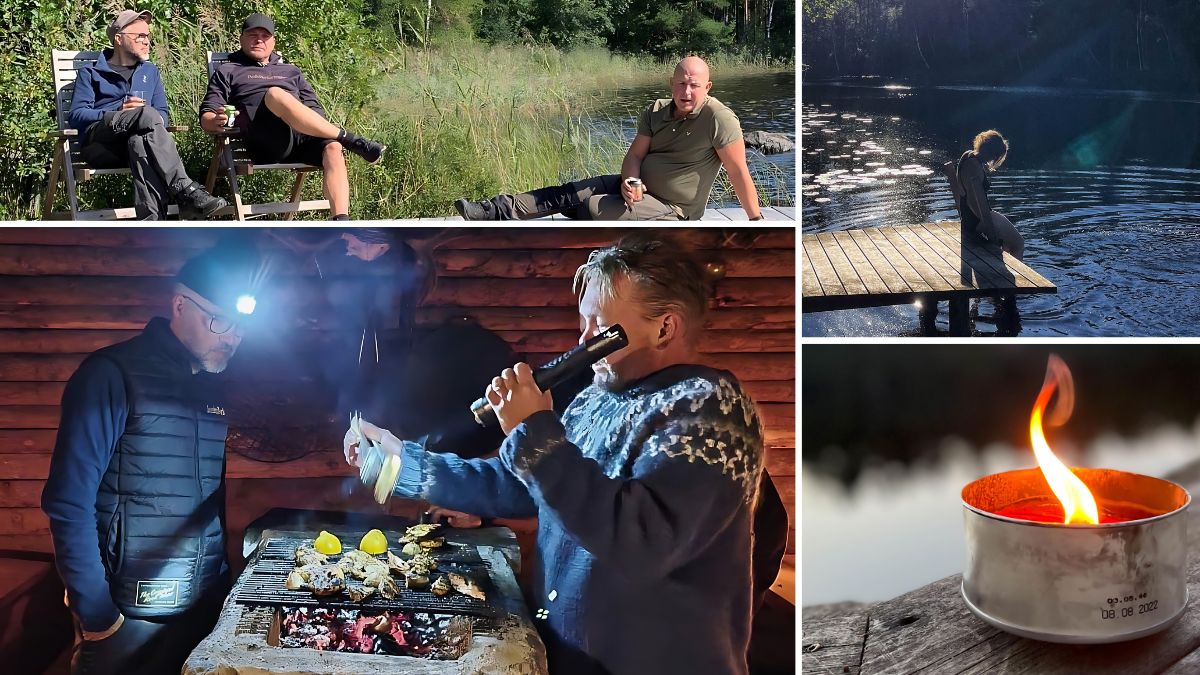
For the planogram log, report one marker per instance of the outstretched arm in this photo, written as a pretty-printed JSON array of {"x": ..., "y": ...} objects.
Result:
[
  {"x": 733, "y": 158},
  {"x": 478, "y": 486}
]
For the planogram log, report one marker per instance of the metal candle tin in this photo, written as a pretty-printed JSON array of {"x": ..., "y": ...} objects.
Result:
[{"x": 1076, "y": 584}]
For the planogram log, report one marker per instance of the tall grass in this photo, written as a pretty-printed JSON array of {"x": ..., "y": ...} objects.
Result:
[{"x": 467, "y": 120}]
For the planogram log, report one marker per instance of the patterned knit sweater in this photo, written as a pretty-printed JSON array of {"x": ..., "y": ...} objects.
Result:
[{"x": 644, "y": 499}]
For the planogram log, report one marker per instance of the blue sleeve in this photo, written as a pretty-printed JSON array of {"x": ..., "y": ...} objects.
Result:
[
  {"x": 159, "y": 100},
  {"x": 693, "y": 475},
  {"x": 83, "y": 102},
  {"x": 94, "y": 411},
  {"x": 482, "y": 487}
]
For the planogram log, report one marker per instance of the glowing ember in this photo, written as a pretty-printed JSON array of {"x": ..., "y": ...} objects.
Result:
[
  {"x": 1047, "y": 511},
  {"x": 1078, "y": 504}
]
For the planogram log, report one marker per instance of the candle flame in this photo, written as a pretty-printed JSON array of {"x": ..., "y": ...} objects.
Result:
[{"x": 1079, "y": 506}]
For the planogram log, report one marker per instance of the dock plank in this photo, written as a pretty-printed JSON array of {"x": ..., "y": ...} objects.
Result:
[
  {"x": 901, "y": 264},
  {"x": 951, "y": 228},
  {"x": 846, "y": 274},
  {"x": 971, "y": 270},
  {"x": 870, "y": 277},
  {"x": 947, "y": 269},
  {"x": 826, "y": 276},
  {"x": 916, "y": 282},
  {"x": 879, "y": 262},
  {"x": 808, "y": 276},
  {"x": 913, "y": 257},
  {"x": 986, "y": 259}
]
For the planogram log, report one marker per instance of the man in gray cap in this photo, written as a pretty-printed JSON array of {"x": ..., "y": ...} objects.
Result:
[
  {"x": 120, "y": 109},
  {"x": 278, "y": 113},
  {"x": 136, "y": 491}
]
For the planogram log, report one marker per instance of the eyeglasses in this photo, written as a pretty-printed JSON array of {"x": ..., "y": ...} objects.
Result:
[
  {"x": 219, "y": 324},
  {"x": 140, "y": 37}
]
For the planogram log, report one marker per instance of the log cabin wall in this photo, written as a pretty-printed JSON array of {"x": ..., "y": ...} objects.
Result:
[{"x": 65, "y": 292}]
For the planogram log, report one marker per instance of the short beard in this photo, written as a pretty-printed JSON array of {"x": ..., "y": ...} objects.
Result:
[{"x": 606, "y": 379}]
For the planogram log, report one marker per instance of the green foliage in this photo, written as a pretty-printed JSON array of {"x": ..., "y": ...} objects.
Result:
[
  {"x": 461, "y": 118},
  {"x": 1146, "y": 44}
]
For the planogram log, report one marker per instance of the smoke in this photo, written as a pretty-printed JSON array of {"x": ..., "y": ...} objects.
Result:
[{"x": 1058, "y": 376}]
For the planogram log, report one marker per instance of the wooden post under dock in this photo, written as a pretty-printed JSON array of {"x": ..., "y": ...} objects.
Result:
[
  {"x": 930, "y": 630},
  {"x": 879, "y": 266}
]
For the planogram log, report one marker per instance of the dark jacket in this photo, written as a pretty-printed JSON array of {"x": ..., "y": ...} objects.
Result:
[
  {"x": 135, "y": 494},
  {"x": 100, "y": 89},
  {"x": 243, "y": 82}
]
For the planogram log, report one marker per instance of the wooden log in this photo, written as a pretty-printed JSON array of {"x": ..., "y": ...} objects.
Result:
[
  {"x": 710, "y": 341},
  {"x": 33, "y": 441},
  {"x": 494, "y": 318},
  {"x": 38, "y": 367},
  {"x": 771, "y": 391},
  {"x": 781, "y": 462},
  {"x": 60, "y": 341},
  {"x": 49, "y": 341},
  {"x": 24, "y": 521},
  {"x": 38, "y": 260},
  {"x": 21, "y": 494},
  {"x": 466, "y": 239},
  {"x": 299, "y": 292},
  {"x": 31, "y": 393},
  {"x": 60, "y": 367},
  {"x": 76, "y": 317},
  {"x": 28, "y": 417}
]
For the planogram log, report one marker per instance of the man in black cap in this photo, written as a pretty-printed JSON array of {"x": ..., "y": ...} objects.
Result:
[
  {"x": 279, "y": 115},
  {"x": 135, "y": 494},
  {"x": 119, "y": 107}
]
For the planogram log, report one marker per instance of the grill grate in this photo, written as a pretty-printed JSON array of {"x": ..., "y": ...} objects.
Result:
[{"x": 264, "y": 584}]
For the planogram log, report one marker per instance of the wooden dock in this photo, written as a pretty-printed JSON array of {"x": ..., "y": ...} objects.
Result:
[
  {"x": 881, "y": 266},
  {"x": 776, "y": 213},
  {"x": 930, "y": 630}
]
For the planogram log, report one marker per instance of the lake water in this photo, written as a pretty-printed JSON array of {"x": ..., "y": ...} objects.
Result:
[
  {"x": 896, "y": 530},
  {"x": 1100, "y": 184},
  {"x": 762, "y": 103}
]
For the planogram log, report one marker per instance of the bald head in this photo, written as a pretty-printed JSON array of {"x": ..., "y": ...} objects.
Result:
[
  {"x": 692, "y": 66},
  {"x": 690, "y": 85}
]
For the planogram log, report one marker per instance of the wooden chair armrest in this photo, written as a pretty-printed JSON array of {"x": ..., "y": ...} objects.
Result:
[
  {"x": 62, "y": 133},
  {"x": 177, "y": 128}
]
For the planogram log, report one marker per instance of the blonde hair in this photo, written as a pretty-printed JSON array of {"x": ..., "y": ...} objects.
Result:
[
  {"x": 992, "y": 148},
  {"x": 663, "y": 273}
]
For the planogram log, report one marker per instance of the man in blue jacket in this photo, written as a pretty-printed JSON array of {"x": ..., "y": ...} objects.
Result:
[
  {"x": 136, "y": 492},
  {"x": 120, "y": 109}
]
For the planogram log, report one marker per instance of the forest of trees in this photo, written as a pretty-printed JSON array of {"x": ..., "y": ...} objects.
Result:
[
  {"x": 752, "y": 28},
  {"x": 1141, "y": 44}
]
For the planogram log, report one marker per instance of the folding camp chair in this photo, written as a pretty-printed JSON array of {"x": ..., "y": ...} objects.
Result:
[
  {"x": 231, "y": 157},
  {"x": 68, "y": 167}
]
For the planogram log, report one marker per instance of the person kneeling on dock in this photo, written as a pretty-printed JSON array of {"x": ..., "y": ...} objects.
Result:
[
  {"x": 278, "y": 113},
  {"x": 681, "y": 144}
]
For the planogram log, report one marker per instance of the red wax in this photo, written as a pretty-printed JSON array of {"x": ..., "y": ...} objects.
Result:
[{"x": 1045, "y": 511}]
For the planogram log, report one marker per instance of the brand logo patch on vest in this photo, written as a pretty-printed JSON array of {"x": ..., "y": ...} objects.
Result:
[
  {"x": 216, "y": 410},
  {"x": 158, "y": 593}
]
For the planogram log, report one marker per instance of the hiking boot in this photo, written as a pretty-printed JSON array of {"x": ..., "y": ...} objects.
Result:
[
  {"x": 196, "y": 204},
  {"x": 480, "y": 210},
  {"x": 371, "y": 151}
]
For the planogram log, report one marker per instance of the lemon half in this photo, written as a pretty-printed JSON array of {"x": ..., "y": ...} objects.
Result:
[
  {"x": 327, "y": 543},
  {"x": 373, "y": 542}
]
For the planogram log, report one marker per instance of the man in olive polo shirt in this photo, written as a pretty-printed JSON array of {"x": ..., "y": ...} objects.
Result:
[{"x": 681, "y": 144}]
